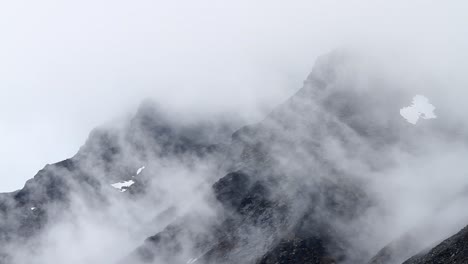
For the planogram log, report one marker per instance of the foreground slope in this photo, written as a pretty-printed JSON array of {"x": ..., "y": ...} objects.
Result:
[{"x": 453, "y": 250}]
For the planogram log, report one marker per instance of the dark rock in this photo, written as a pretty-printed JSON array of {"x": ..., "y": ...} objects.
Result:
[
  {"x": 231, "y": 189},
  {"x": 298, "y": 251}
]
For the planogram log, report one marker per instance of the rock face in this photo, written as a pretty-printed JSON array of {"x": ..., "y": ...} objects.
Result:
[
  {"x": 27, "y": 211},
  {"x": 103, "y": 160},
  {"x": 307, "y": 250},
  {"x": 284, "y": 201},
  {"x": 290, "y": 189}
]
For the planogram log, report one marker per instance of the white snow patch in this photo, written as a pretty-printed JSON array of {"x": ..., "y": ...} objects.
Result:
[
  {"x": 192, "y": 260},
  {"x": 419, "y": 108},
  {"x": 140, "y": 170},
  {"x": 120, "y": 185}
]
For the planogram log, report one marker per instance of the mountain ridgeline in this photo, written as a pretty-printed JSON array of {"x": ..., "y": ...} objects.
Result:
[{"x": 312, "y": 183}]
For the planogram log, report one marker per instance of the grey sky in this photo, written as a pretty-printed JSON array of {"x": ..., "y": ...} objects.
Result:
[{"x": 68, "y": 66}]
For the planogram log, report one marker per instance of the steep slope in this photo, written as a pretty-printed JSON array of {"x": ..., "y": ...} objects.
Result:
[
  {"x": 454, "y": 250},
  {"x": 273, "y": 204},
  {"x": 109, "y": 156}
]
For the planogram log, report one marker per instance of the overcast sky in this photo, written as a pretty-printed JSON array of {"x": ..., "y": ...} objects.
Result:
[{"x": 68, "y": 66}]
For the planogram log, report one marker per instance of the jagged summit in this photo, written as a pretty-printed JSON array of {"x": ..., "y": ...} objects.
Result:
[{"x": 298, "y": 187}]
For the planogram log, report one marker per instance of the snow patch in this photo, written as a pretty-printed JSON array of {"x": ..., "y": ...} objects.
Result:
[
  {"x": 140, "y": 170},
  {"x": 192, "y": 260},
  {"x": 419, "y": 108},
  {"x": 121, "y": 185}
]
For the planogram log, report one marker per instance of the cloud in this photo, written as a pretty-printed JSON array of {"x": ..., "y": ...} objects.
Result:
[{"x": 68, "y": 67}]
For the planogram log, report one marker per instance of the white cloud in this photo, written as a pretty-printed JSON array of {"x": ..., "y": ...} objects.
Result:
[{"x": 68, "y": 67}]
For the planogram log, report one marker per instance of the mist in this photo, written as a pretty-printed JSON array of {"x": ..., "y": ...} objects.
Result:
[
  {"x": 206, "y": 69},
  {"x": 68, "y": 67}
]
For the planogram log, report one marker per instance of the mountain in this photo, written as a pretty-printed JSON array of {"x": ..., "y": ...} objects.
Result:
[{"x": 311, "y": 183}]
